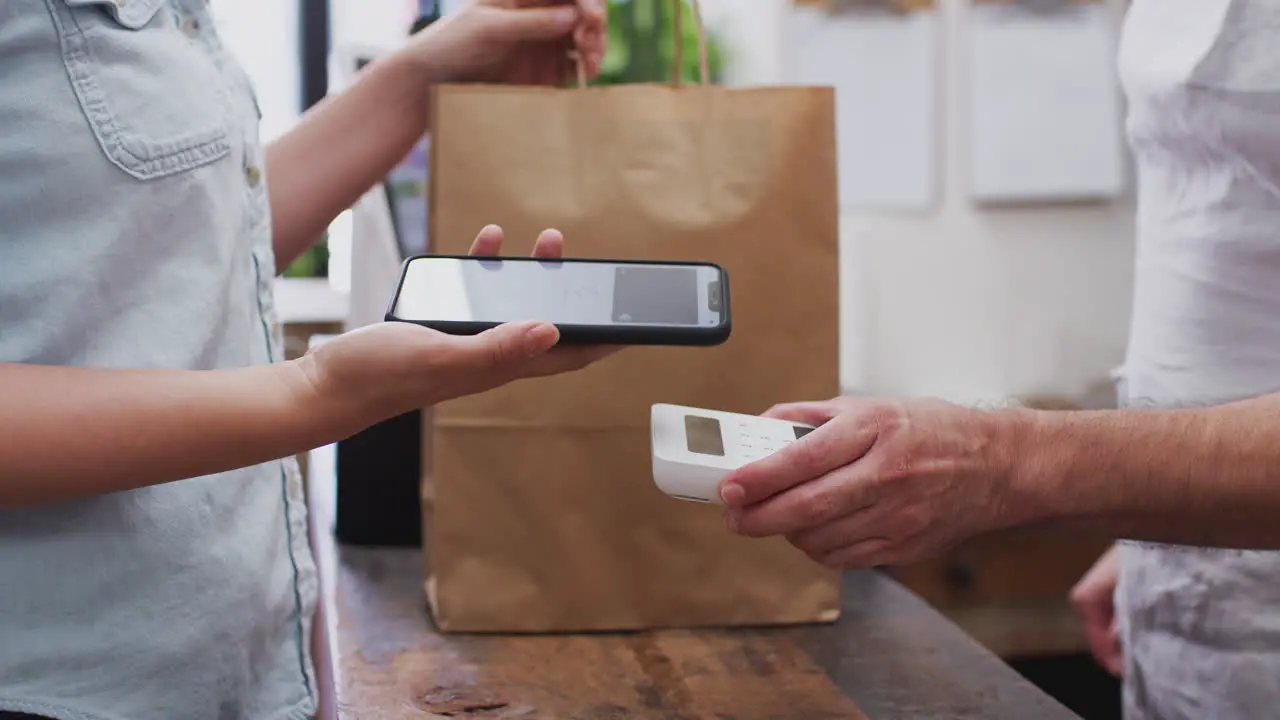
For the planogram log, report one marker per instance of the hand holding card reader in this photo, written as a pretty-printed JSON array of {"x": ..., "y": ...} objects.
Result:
[{"x": 694, "y": 449}]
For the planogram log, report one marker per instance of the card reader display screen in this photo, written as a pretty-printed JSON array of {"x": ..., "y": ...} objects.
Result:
[
  {"x": 703, "y": 435},
  {"x": 801, "y": 430}
]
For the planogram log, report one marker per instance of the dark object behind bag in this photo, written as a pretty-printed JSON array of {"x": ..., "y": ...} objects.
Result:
[{"x": 379, "y": 472}]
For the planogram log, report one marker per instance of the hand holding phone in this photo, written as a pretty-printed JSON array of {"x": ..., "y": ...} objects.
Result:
[
  {"x": 383, "y": 370},
  {"x": 609, "y": 302}
]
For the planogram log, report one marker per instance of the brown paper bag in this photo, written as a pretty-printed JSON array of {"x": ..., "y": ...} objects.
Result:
[{"x": 542, "y": 514}]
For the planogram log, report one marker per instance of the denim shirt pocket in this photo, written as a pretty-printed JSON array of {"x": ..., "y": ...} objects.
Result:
[{"x": 153, "y": 97}]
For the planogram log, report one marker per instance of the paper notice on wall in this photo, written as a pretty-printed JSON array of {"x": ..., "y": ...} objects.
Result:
[
  {"x": 883, "y": 66},
  {"x": 1045, "y": 119}
]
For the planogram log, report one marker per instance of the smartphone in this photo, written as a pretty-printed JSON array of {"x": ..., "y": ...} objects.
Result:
[{"x": 609, "y": 302}]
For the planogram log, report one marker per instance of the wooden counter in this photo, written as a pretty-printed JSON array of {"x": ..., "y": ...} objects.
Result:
[{"x": 890, "y": 656}]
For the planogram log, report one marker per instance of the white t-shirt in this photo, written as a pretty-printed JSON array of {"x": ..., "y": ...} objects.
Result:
[{"x": 1201, "y": 628}]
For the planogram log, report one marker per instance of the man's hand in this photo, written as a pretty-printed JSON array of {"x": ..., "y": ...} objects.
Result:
[
  {"x": 878, "y": 483},
  {"x": 1094, "y": 600},
  {"x": 523, "y": 42}
]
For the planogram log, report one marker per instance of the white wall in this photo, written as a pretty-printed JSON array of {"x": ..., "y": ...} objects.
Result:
[
  {"x": 967, "y": 304},
  {"x": 263, "y": 36},
  {"x": 379, "y": 23}
]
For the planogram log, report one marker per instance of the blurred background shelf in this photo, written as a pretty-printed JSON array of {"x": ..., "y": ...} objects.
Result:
[{"x": 309, "y": 301}]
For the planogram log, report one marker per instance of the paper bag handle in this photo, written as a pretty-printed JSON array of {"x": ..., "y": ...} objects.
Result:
[{"x": 677, "y": 69}]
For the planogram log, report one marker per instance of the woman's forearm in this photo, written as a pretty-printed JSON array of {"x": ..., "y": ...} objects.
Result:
[
  {"x": 73, "y": 432},
  {"x": 340, "y": 149},
  {"x": 1205, "y": 477}
]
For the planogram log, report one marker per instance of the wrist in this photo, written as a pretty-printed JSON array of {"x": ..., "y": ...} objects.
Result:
[
  {"x": 406, "y": 76},
  {"x": 424, "y": 61},
  {"x": 322, "y": 415},
  {"x": 1027, "y": 462}
]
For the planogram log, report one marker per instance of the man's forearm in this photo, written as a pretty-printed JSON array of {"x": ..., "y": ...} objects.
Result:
[
  {"x": 341, "y": 148},
  {"x": 1206, "y": 477},
  {"x": 73, "y": 432}
]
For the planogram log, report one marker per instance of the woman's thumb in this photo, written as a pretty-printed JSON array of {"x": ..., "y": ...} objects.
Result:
[
  {"x": 536, "y": 23},
  {"x": 514, "y": 343}
]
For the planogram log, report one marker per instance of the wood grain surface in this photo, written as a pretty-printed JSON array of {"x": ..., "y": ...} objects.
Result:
[{"x": 890, "y": 656}]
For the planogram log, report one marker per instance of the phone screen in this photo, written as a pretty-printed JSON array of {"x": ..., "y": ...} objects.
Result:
[{"x": 439, "y": 289}]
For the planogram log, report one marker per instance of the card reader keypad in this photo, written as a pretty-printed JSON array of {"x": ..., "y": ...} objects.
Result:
[{"x": 758, "y": 440}]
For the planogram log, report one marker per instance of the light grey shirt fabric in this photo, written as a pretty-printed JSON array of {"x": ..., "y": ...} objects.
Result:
[
  {"x": 1201, "y": 628},
  {"x": 135, "y": 232}
]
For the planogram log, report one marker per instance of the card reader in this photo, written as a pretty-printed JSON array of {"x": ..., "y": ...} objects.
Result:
[{"x": 694, "y": 449}]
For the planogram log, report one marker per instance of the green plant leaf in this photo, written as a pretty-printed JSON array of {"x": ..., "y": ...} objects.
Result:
[
  {"x": 642, "y": 44},
  {"x": 618, "y": 54}
]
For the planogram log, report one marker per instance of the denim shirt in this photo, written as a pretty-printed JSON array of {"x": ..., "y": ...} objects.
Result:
[{"x": 135, "y": 232}]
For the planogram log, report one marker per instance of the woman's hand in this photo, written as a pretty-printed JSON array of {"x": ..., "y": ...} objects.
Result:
[
  {"x": 383, "y": 370},
  {"x": 73, "y": 432},
  {"x": 523, "y": 42}
]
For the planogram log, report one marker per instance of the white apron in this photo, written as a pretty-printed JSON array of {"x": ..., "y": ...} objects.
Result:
[{"x": 1201, "y": 628}]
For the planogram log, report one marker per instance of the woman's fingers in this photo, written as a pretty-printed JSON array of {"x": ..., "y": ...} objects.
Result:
[
  {"x": 488, "y": 242},
  {"x": 550, "y": 244}
]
